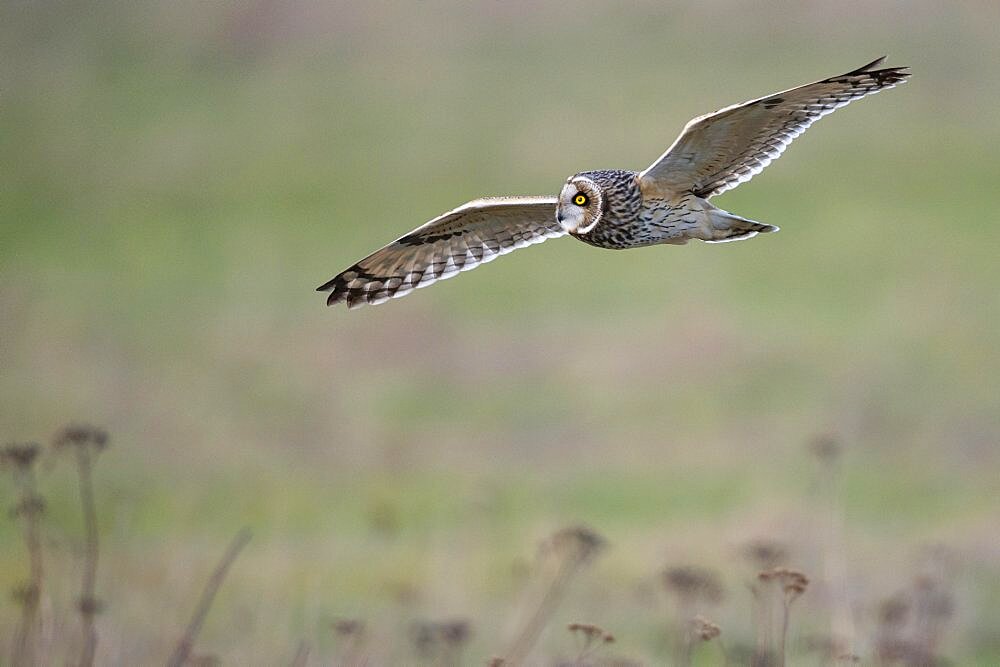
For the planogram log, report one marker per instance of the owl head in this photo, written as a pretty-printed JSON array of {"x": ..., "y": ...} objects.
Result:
[{"x": 581, "y": 204}]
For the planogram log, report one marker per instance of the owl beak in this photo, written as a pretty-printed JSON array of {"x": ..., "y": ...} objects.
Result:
[{"x": 561, "y": 219}]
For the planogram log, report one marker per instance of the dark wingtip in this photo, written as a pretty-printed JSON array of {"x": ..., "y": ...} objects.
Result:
[
  {"x": 333, "y": 286},
  {"x": 890, "y": 76},
  {"x": 885, "y": 77}
]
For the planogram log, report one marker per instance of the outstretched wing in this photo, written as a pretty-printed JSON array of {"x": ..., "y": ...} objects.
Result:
[
  {"x": 718, "y": 151},
  {"x": 472, "y": 234}
]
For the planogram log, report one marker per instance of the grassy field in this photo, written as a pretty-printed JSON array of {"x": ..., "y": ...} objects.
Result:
[{"x": 178, "y": 177}]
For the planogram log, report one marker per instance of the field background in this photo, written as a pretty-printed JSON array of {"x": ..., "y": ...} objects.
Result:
[{"x": 178, "y": 177}]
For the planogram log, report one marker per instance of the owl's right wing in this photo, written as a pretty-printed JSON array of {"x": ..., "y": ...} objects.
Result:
[
  {"x": 718, "y": 151},
  {"x": 472, "y": 234}
]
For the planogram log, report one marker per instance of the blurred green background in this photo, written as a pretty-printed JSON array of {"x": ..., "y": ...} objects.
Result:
[{"x": 178, "y": 177}]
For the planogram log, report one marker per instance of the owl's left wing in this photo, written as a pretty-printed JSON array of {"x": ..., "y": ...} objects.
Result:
[
  {"x": 718, "y": 151},
  {"x": 472, "y": 234}
]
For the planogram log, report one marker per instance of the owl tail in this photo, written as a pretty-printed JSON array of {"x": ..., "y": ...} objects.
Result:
[{"x": 724, "y": 226}]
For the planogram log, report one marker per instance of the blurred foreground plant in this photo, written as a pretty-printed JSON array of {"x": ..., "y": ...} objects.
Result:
[
  {"x": 590, "y": 638},
  {"x": 690, "y": 587},
  {"x": 20, "y": 460},
  {"x": 185, "y": 645},
  {"x": 789, "y": 586},
  {"x": 564, "y": 554},
  {"x": 85, "y": 443},
  {"x": 353, "y": 634},
  {"x": 441, "y": 643}
]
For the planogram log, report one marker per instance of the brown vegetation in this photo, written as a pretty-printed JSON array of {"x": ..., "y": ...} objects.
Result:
[{"x": 909, "y": 629}]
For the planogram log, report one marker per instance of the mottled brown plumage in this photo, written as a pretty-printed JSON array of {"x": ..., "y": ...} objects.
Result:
[{"x": 666, "y": 203}]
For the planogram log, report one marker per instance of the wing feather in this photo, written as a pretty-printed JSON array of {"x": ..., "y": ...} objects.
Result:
[
  {"x": 718, "y": 151},
  {"x": 474, "y": 233}
]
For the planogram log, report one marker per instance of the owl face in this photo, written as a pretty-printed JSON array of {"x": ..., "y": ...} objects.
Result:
[{"x": 581, "y": 204}]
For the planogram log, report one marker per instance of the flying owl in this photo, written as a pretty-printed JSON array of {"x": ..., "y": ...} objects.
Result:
[{"x": 616, "y": 208}]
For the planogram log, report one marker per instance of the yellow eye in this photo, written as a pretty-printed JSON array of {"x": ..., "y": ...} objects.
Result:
[{"x": 580, "y": 199}]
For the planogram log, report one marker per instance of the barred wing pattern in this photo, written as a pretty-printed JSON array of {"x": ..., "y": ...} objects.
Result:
[
  {"x": 718, "y": 151},
  {"x": 472, "y": 234}
]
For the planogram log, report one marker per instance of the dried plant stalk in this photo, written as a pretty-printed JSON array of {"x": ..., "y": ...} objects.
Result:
[
  {"x": 186, "y": 642},
  {"x": 689, "y": 586},
  {"x": 86, "y": 442},
  {"x": 301, "y": 655},
  {"x": 574, "y": 547},
  {"x": 354, "y": 634},
  {"x": 20, "y": 458},
  {"x": 790, "y": 584},
  {"x": 828, "y": 452},
  {"x": 590, "y": 638},
  {"x": 88, "y": 602}
]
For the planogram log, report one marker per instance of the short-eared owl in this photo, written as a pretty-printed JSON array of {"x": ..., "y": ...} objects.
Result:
[{"x": 666, "y": 203}]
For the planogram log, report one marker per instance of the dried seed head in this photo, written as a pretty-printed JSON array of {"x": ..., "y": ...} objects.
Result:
[
  {"x": 704, "y": 629},
  {"x": 692, "y": 583},
  {"x": 765, "y": 553},
  {"x": 589, "y": 638},
  {"x": 424, "y": 636},
  {"x": 428, "y": 637},
  {"x": 455, "y": 633},
  {"x": 404, "y": 592},
  {"x": 826, "y": 448},
  {"x": 794, "y": 590},
  {"x": 30, "y": 505},
  {"x": 578, "y": 542},
  {"x": 893, "y": 612},
  {"x": 82, "y": 435},
  {"x": 19, "y": 455},
  {"x": 348, "y": 627},
  {"x": 587, "y": 630},
  {"x": 25, "y": 594},
  {"x": 90, "y": 606},
  {"x": 793, "y": 583}
]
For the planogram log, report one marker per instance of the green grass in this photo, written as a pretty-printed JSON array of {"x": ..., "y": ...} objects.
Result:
[{"x": 177, "y": 180}]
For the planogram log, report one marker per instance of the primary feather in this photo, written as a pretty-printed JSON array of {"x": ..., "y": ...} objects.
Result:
[
  {"x": 718, "y": 151},
  {"x": 462, "y": 239}
]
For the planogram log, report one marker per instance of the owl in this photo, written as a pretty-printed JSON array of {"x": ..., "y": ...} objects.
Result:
[{"x": 668, "y": 202}]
